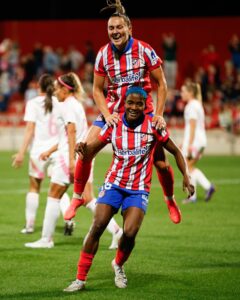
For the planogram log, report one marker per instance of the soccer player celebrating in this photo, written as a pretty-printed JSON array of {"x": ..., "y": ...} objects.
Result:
[
  {"x": 127, "y": 182},
  {"x": 124, "y": 62}
]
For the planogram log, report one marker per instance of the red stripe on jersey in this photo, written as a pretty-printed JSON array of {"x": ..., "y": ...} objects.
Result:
[{"x": 122, "y": 71}]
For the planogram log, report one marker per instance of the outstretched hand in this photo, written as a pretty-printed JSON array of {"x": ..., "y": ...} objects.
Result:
[{"x": 158, "y": 122}]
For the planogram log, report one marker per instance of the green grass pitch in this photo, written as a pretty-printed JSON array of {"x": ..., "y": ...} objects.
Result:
[{"x": 197, "y": 259}]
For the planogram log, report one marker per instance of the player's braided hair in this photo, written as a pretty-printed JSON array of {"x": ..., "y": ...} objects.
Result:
[{"x": 120, "y": 10}]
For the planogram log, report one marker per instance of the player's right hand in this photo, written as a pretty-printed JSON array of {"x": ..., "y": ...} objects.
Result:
[
  {"x": 112, "y": 119},
  {"x": 17, "y": 160}
]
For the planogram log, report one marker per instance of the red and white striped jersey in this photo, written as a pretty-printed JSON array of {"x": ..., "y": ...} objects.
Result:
[
  {"x": 122, "y": 70},
  {"x": 131, "y": 167}
]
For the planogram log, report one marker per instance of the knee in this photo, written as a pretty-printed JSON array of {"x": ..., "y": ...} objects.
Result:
[
  {"x": 161, "y": 165},
  {"x": 130, "y": 232}
]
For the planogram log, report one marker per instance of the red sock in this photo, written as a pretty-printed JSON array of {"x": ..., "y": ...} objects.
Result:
[
  {"x": 82, "y": 172},
  {"x": 84, "y": 264},
  {"x": 121, "y": 257},
  {"x": 166, "y": 178}
]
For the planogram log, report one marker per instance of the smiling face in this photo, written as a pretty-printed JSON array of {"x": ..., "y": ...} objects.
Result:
[
  {"x": 119, "y": 32},
  {"x": 134, "y": 107}
]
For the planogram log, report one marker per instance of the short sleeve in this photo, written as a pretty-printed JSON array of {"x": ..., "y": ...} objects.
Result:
[
  {"x": 30, "y": 112},
  {"x": 152, "y": 60},
  {"x": 99, "y": 67},
  {"x": 192, "y": 112}
]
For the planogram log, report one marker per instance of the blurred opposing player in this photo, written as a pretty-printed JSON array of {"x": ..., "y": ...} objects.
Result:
[
  {"x": 124, "y": 62},
  {"x": 127, "y": 182},
  {"x": 41, "y": 133},
  {"x": 72, "y": 126},
  {"x": 195, "y": 140}
]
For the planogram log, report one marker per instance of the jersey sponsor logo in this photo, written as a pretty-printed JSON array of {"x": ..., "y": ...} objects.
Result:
[
  {"x": 133, "y": 152},
  {"x": 127, "y": 79}
]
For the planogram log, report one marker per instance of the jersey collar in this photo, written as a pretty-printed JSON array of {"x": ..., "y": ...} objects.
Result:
[
  {"x": 128, "y": 46},
  {"x": 134, "y": 125}
]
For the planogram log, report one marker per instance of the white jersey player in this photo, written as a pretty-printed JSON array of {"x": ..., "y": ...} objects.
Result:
[
  {"x": 195, "y": 140},
  {"x": 40, "y": 133}
]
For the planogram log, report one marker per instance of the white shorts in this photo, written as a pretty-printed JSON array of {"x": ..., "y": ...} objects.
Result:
[
  {"x": 196, "y": 152},
  {"x": 60, "y": 170},
  {"x": 37, "y": 168}
]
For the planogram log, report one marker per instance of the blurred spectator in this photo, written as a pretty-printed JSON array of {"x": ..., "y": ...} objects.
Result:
[
  {"x": 234, "y": 48},
  {"x": 4, "y": 90},
  {"x": 90, "y": 54},
  {"x": 32, "y": 91},
  {"x": 76, "y": 58},
  {"x": 51, "y": 60},
  {"x": 169, "y": 46},
  {"x": 38, "y": 58}
]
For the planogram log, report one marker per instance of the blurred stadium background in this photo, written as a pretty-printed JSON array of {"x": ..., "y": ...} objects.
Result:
[{"x": 198, "y": 259}]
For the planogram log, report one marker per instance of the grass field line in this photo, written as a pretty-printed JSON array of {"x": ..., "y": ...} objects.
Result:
[{"x": 178, "y": 184}]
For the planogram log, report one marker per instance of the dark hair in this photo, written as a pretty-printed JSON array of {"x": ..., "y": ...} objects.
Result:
[
  {"x": 46, "y": 83},
  {"x": 120, "y": 10}
]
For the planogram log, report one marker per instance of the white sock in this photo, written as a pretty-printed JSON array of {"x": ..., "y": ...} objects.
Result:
[
  {"x": 202, "y": 179},
  {"x": 50, "y": 218},
  {"x": 64, "y": 203},
  {"x": 32, "y": 202},
  {"x": 92, "y": 205},
  {"x": 112, "y": 227}
]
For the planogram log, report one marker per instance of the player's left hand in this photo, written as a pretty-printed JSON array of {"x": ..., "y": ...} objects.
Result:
[{"x": 158, "y": 122}]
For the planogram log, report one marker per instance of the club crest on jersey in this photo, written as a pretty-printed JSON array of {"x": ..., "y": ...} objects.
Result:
[
  {"x": 101, "y": 194},
  {"x": 144, "y": 137},
  {"x": 136, "y": 63}
]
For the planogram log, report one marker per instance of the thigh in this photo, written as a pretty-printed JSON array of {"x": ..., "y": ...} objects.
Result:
[
  {"x": 34, "y": 184},
  {"x": 92, "y": 134},
  {"x": 132, "y": 220}
]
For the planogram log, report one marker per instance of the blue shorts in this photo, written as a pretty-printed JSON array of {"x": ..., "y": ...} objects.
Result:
[
  {"x": 100, "y": 121},
  {"x": 117, "y": 197}
]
